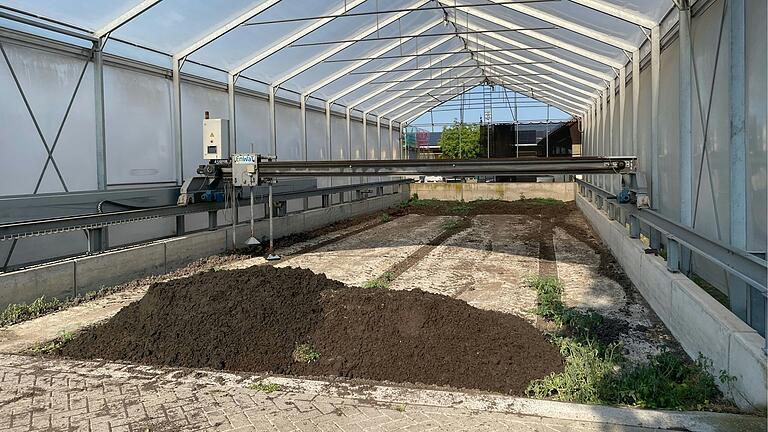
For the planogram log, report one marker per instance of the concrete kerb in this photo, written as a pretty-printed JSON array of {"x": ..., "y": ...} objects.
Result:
[
  {"x": 477, "y": 401},
  {"x": 698, "y": 322},
  {"x": 50, "y": 280}
]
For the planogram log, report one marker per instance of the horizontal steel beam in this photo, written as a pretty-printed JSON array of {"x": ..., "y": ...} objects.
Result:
[
  {"x": 91, "y": 221},
  {"x": 741, "y": 264},
  {"x": 474, "y": 167}
]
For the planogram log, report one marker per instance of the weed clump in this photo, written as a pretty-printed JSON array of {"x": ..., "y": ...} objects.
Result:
[
  {"x": 16, "y": 313},
  {"x": 305, "y": 353},
  {"x": 385, "y": 217},
  {"x": 381, "y": 282},
  {"x": 54, "y": 346},
  {"x": 597, "y": 373},
  {"x": 265, "y": 387}
]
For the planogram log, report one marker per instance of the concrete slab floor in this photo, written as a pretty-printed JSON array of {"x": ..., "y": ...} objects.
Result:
[{"x": 485, "y": 264}]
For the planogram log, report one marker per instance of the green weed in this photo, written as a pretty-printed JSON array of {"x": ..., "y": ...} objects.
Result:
[
  {"x": 461, "y": 208},
  {"x": 16, "y": 313},
  {"x": 449, "y": 225},
  {"x": 399, "y": 407},
  {"x": 545, "y": 201},
  {"x": 265, "y": 387},
  {"x": 305, "y": 353},
  {"x": 385, "y": 217},
  {"x": 381, "y": 282},
  {"x": 595, "y": 373},
  {"x": 53, "y": 346}
]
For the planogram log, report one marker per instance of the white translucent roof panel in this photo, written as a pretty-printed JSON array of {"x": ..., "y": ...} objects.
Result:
[
  {"x": 340, "y": 29},
  {"x": 554, "y": 31},
  {"x": 576, "y": 43},
  {"x": 235, "y": 47},
  {"x": 654, "y": 9},
  {"x": 590, "y": 19},
  {"x": 383, "y": 64},
  {"x": 89, "y": 15},
  {"x": 173, "y": 24}
]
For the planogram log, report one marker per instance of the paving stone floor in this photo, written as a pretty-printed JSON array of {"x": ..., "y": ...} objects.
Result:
[{"x": 38, "y": 394}]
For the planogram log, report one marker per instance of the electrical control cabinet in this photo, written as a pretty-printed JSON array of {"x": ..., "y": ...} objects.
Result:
[
  {"x": 244, "y": 169},
  {"x": 215, "y": 139}
]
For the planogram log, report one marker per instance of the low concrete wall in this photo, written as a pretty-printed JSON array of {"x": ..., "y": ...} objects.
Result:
[
  {"x": 79, "y": 275},
  {"x": 499, "y": 191},
  {"x": 698, "y": 322}
]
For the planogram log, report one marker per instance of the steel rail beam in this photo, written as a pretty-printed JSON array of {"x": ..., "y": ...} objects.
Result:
[
  {"x": 459, "y": 167},
  {"x": 747, "y": 267},
  {"x": 22, "y": 229}
]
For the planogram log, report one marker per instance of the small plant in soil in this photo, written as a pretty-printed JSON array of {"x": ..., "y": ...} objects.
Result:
[
  {"x": 597, "y": 373},
  {"x": 399, "y": 407},
  {"x": 53, "y": 346},
  {"x": 305, "y": 353},
  {"x": 449, "y": 225},
  {"x": 265, "y": 387},
  {"x": 381, "y": 282},
  {"x": 385, "y": 217},
  {"x": 462, "y": 208},
  {"x": 16, "y": 313},
  {"x": 545, "y": 201}
]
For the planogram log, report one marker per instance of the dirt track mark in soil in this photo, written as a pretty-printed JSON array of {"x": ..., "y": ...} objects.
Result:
[
  {"x": 324, "y": 243},
  {"x": 253, "y": 319},
  {"x": 403, "y": 266},
  {"x": 547, "y": 257}
]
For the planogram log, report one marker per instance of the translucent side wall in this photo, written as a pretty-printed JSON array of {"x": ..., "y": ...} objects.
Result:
[
  {"x": 60, "y": 113},
  {"x": 710, "y": 178}
]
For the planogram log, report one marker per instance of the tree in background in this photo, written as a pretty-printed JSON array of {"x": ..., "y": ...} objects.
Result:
[{"x": 470, "y": 141}]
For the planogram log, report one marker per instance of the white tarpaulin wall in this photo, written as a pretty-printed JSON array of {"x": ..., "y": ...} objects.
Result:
[{"x": 115, "y": 91}]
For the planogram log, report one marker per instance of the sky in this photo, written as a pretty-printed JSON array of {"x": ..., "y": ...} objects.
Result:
[{"x": 528, "y": 109}]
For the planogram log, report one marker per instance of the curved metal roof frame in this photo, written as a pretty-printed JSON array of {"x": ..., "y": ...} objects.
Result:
[{"x": 563, "y": 87}]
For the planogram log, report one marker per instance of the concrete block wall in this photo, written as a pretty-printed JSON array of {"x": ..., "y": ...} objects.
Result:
[
  {"x": 499, "y": 191},
  {"x": 698, "y": 322},
  {"x": 73, "y": 277}
]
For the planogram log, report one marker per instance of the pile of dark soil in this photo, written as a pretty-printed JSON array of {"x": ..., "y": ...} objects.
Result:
[{"x": 254, "y": 319}]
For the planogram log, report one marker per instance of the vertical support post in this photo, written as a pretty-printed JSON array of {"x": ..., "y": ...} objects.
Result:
[
  {"x": 180, "y": 225},
  {"x": 673, "y": 255},
  {"x": 378, "y": 137},
  {"x": 655, "y": 78},
  {"x": 610, "y": 142},
  {"x": 303, "y": 125},
  {"x": 738, "y": 166},
  {"x": 391, "y": 146},
  {"x": 634, "y": 227},
  {"x": 328, "y": 129},
  {"x": 622, "y": 109},
  {"x": 212, "y": 220},
  {"x": 349, "y": 133},
  {"x": 232, "y": 144},
  {"x": 365, "y": 134},
  {"x": 603, "y": 130},
  {"x": 686, "y": 151},
  {"x": 739, "y": 294},
  {"x": 101, "y": 137},
  {"x": 272, "y": 121},
  {"x": 635, "y": 101},
  {"x": 177, "y": 138},
  {"x": 546, "y": 152}
]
